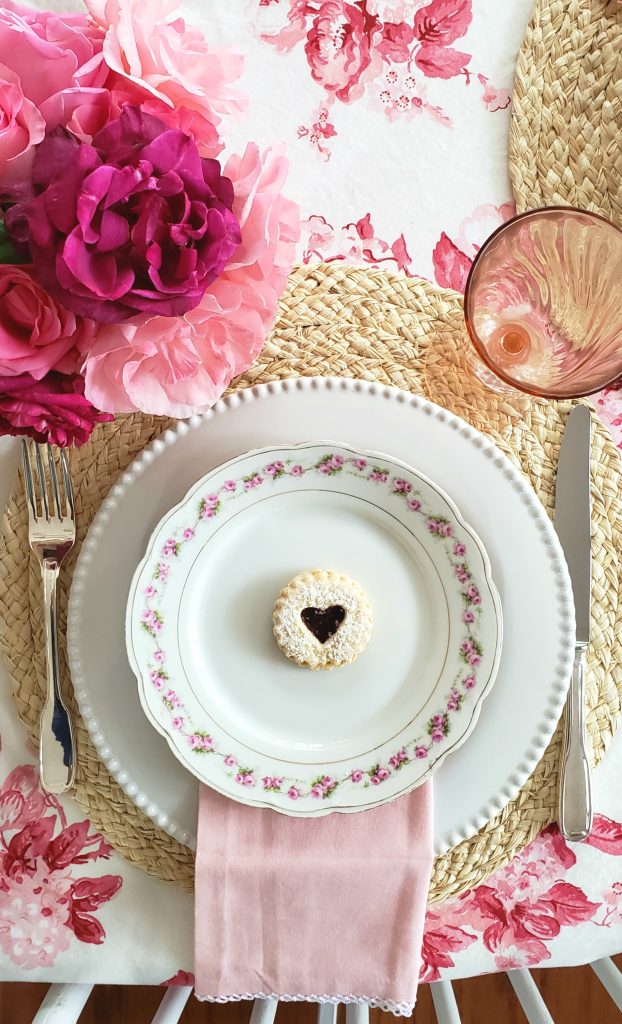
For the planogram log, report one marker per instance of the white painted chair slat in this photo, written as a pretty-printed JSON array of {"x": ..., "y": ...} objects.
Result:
[
  {"x": 357, "y": 1013},
  {"x": 263, "y": 1011},
  {"x": 327, "y": 1013},
  {"x": 62, "y": 1004},
  {"x": 609, "y": 975},
  {"x": 445, "y": 1005},
  {"x": 533, "y": 1004},
  {"x": 172, "y": 1006}
]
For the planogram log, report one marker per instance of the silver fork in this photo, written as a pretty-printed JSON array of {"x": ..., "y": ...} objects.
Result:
[{"x": 51, "y": 533}]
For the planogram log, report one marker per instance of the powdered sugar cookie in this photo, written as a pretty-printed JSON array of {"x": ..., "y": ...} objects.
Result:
[{"x": 322, "y": 619}]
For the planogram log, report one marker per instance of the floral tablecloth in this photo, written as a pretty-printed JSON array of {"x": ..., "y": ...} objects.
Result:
[{"x": 395, "y": 115}]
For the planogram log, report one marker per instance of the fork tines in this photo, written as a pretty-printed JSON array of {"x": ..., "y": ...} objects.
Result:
[{"x": 44, "y": 482}]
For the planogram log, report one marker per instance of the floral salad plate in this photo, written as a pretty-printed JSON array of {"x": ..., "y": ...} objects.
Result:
[{"x": 262, "y": 730}]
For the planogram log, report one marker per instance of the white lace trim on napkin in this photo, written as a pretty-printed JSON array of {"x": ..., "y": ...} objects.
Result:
[{"x": 399, "y": 1009}]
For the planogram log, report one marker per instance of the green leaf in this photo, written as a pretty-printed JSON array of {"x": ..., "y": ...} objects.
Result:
[{"x": 7, "y": 252}]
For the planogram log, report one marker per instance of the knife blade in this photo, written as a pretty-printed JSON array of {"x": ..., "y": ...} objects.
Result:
[{"x": 573, "y": 527}]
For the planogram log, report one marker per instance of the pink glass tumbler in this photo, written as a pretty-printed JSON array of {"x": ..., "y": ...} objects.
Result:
[{"x": 543, "y": 304}]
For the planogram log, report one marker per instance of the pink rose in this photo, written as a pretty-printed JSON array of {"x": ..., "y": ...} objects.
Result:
[
  {"x": 469, "y": 682},
  {"x": 21, "y": 128},
  {"x": 182, "y": 366},
  {"x": 296, "y": 471},
  {"x": 230, "y": 761},
  {"x": 341, "y": 49},
  {"x": 421, "y": 752},
  {"x": 52, "y": 409},
  {"x": 293, "y": 793},
  {"x": 36, "y": 334},
  {"x": 170, "y": 63},
  {"x": 356, "y": 775},
  {"x": 51, "y": 52}
]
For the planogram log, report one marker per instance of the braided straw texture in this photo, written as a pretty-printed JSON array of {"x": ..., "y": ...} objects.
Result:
[
  {"x": 339, "y": 320},
  {"x": 567, "y": 108}
]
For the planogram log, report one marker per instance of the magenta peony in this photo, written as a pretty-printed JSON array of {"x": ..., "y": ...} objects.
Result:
[
  {"x": 53, "y": 409},
  {"x": 135, "y": 222},
  {"x": 21, "y": 128},
  {"x": 175, "y": 368},
  {"x": 149, "y": 48},
  {"x": 36, "y": 334}
]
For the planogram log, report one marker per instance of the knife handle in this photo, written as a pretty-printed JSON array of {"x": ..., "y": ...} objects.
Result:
[{"x": 575, "y": 786}]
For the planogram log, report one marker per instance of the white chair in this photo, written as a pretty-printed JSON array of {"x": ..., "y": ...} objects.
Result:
[{"x": 63, "y": 1004}]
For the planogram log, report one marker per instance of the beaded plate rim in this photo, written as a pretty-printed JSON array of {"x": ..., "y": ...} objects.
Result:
[{"x": 538, "y": 742}]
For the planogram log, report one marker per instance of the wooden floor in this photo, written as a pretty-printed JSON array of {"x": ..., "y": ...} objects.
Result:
[{"x": 573, "y": 996}]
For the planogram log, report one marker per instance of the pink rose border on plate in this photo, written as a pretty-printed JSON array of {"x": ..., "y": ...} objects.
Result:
[{"x": 438, "y": 726}]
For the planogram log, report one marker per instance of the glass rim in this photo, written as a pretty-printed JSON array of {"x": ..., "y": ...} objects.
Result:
[{"x": 481, "y": 351}]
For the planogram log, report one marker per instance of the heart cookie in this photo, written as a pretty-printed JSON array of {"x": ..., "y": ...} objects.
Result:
[{"x": 322, "y": 619}]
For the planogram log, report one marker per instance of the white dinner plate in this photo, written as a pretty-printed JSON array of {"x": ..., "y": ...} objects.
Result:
[
  {"x": 518, "y": 717},
  {"x": 245, "y": 719}
]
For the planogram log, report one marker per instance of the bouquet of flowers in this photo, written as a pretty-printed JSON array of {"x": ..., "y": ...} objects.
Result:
[{"x": 137, "y": 270}]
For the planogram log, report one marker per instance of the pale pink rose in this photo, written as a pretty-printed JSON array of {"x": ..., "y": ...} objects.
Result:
[
  {"x": 171, "y": 63},
  {"x": 21, "y": 128},
  {"x": 159, "y": 656},
  {"x": 293, "y": 793},
  {"x": 296, "y": 471},
  {"x": 188, "y": 533},
  {"x": 34, "y": 913},
  {"x": 414, "y": 504},
  {"x": 421, "y": 752},
  {"x": 51, "y": 52},
  {"x": 230, "y": 485},
  {"x": 356, "y": 775},
  {"x": 179, "y": 366},
  {"x": 177, "y": 722},
  {"x": 469, "y": 682},
  {"x": 437, "y": 734},
  {"x": 230, "y": 760}
]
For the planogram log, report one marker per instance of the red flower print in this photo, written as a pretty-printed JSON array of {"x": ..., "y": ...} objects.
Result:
[
  {"x": 43, "y": 906},
  {"x": 526, "y": 904},
  {"x": 340, "y": 48},
  {"x": 353, "y": 243},
  {"x": 441, "y": 61},
  {"x": 443, "y": 21},
  {"x": 606, "y": 835},
  {"x": 21, "y": 799},
  {"x": 181, "y": 978},
  {"x": 396, "y": 42},
  {"x": 439, "y": 941},
  {"x": 452, "y": 258},
  {"x": 493, "y": 99},
  {"x": 451, "y": 266}
]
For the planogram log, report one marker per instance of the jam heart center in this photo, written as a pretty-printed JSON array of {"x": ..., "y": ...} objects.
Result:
[{"x": 323, "y": 622}]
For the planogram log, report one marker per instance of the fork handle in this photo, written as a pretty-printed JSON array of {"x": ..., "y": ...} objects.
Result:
[
  {"x": 575, "y": 787},
  {"x": 56, "y": 743}
]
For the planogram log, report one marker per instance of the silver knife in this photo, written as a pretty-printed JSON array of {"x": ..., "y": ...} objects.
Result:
[{"x": 572, "y": 523}]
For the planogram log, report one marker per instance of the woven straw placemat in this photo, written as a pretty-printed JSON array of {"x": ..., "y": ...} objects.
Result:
[
  {"x": 567, "y": 108},
  {"x": 354, "y": 323}
]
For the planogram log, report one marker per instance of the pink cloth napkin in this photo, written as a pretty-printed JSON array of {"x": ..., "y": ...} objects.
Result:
[{"x": 311, "y": 908}]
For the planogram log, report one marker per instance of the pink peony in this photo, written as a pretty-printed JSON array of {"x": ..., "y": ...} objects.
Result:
[
  {"x": 170, "y": 64},
  {"x": 21, "y": 128},
  {"x": 178, "y": 367},
  {"x": 52, "y": 409},
  {"x": 36, "y": 334},
  {"x": 342, "y": 49},
  {"x": 137, "y": 222},
  {"x": 51, "y": 52}
]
